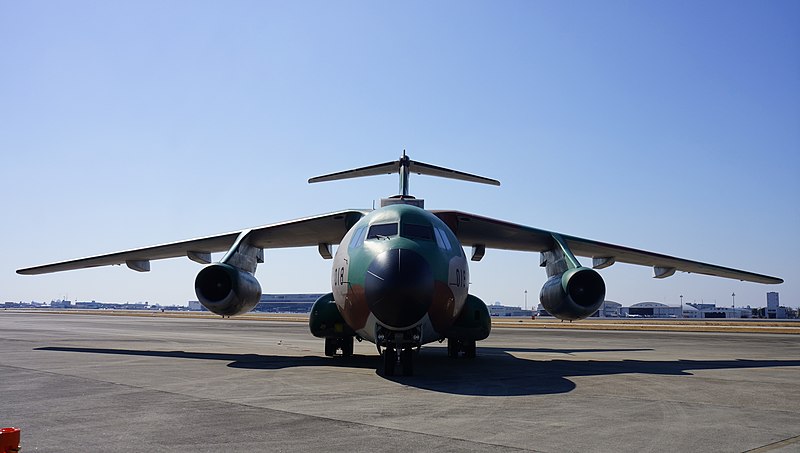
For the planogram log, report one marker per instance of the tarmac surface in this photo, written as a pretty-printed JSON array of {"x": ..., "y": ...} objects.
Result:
[{"x": 119, "y": 383}]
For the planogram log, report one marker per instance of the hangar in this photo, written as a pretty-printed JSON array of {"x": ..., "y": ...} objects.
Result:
[{"x": 652, "y": 310}]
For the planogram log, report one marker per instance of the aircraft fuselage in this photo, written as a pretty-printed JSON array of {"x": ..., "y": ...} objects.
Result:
[{"x": 400, "y": 271}]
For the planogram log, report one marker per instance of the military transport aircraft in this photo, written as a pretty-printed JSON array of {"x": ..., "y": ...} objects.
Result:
[{"x": 400, "y": 277}]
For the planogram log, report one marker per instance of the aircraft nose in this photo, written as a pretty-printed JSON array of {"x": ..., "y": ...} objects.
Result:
[{"x": 399, "y": 287}]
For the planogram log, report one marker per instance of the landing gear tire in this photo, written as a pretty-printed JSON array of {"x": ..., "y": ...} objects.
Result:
[
  {"x": 407, "y": 360},
  {"x": 389, "y": 361},
  {"x": 347, "y": 347},
  {"x": 470, "y": 350},
  {"x": 330, "y": 347},
  {"x": 453, "y": 348}
]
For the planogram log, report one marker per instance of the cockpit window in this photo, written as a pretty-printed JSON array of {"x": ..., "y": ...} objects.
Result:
[
  {"x": 411, "y": 231},
  {"x": 441, "y": 239},
  {"x": 382, "y": 231},
  {"x": 358, "y": 237}
]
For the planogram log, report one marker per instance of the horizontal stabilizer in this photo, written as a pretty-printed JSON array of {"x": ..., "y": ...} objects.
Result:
[
  {"x": 421, "y": 168},
  {"x": 405, "y": 166},
  {"x": 378, "y": 169}
]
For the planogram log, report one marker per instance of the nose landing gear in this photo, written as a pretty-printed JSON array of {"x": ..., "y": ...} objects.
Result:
[
  {"x": 391, "y": 359},
  {"x": 398, "y": 348}
]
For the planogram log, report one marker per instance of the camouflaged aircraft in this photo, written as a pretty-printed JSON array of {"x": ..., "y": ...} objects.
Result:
[{"x": 400, "y": 275}]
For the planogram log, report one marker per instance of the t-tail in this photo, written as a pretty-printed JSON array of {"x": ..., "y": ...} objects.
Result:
[{"x": 404, "y": 167}]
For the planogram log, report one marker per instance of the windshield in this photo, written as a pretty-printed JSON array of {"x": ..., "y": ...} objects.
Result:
[
  {"x": 412, "y": 231},
  {"x": 382, "y": 231}
]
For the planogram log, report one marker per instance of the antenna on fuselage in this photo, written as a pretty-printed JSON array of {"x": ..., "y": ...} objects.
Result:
[{"x": 404, "y": 167}]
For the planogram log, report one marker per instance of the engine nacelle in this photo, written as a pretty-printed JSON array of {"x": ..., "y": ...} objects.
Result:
[
  {"x": 575, "y": 294},
  {"x": 226, "y": 290}
]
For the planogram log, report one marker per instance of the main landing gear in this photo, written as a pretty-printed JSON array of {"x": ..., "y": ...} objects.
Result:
[
  {"x": 345, "y": 344},
  {"x": 455, "y": 347},
  {"x": 391, "y": 358}
]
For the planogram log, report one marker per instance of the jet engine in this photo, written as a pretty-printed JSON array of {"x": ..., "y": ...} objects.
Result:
[
  {"x": 573, "y": 295},
  {"x": 226, "y": 290}
]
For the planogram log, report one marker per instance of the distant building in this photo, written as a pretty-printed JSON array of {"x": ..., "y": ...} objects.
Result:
[
  {"x": 651, "y": 310},
  {"x": 702, "y": 306},
  {"x": 690, "y": 312},
  {"x": 609, "y": 309},
  {"x": 60, "y": 304},
  {"x": 276, "y": 303},
  {"x": 287, "y": 303},
  {"x": 774, "y": 310},
  {"x": 711, "y": 311},
  {"x": 501, "y": 310},
  {"x": 726, "y": 312},
  {"x": 773, "y": 300}
]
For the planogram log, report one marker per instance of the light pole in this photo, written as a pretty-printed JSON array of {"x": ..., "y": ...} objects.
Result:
[
  {"x": 526, "y": 299},
  {"x": 733, "y": 300},
  {"x": 681, "y": 305}
]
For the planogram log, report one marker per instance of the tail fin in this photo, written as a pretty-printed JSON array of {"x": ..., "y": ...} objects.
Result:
[{"x": 404, "y": 166}]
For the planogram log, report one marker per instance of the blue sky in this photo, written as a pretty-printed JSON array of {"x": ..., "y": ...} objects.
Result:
[{"x": 667, "y": 126}]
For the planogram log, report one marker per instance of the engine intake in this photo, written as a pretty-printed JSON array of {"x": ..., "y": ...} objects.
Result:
[
  {"x": 226, "y": 290},
  {"x": 573, "y": 295}
]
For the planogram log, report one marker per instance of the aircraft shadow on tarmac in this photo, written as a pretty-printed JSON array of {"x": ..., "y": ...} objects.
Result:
[{"x": 495, "y": 372}]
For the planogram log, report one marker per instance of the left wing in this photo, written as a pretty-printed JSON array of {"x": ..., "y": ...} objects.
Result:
[
  {"x": 319, "y": 230},
  {"x": 483, "y": 232}
]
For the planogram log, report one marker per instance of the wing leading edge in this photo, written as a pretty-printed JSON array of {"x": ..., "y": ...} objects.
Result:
[
  {"x": 310, "y": 231},
  {"x": 483, "y": 232}
]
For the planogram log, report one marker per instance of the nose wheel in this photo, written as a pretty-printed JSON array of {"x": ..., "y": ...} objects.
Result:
[
  {"x": 391, "y": 359},
  {"x": 397, "y": 348}
]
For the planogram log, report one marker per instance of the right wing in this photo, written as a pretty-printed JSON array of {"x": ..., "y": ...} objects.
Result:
[
  {"x": 474, "y": 230},
  {"x": 309, "y": 231}
]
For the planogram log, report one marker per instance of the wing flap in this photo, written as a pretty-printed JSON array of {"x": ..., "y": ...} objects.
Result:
[
  {"x": 310, "y": 231},
  {"x": 474, "y": 230}
]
